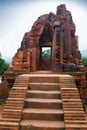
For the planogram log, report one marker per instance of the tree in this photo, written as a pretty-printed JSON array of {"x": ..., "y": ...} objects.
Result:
[
  {"x": 3, "y": 65},
  {"x": 84, "y": 62},
  {"x": 46, "y": 54},
  {"x": 0, "y": 55}
]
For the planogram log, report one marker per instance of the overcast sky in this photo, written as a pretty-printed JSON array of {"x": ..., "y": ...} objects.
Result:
[{"x": 18, "y": 16}]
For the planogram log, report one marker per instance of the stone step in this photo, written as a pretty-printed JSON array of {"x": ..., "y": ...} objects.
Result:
[
  {"x": 42, "y": 125},
  {"x": 13, "y": 107},
  {"x": 17, "y": 91},
  {"x": 19, "y": 79},
  {"x": 43, "y": 94},
  {"x": 11, "y": 110},
  {"x": 13, "y": 95},
  {"x": 72, "y": 100},
  {"x": 20, "y": 84},
  {"x": 76, "y": 122},
  {"x": 11, "y": 113},
  {"x": 19, "y": 88},
  {"x": 5, "y": 125},
  {"x": 17, "y": 95},
  {"x": 70, "y": 93},
  {"x": 69, "y": 88},
  {"x": 70, "y": 96},
  {"x": 20, "y": 100},
  {"x": 74, "y": 112},
  {"x": 9, "y": 120},
  {"x": 76, "y": 127},
  {"x": 15, "y": 115},
  {"x": 43, "y": 107},
  {"x": 20, "y": 95},
  {"x": 22, "y": 77},
  {"x": 43, "y": 114},
  {"x": 66, "y": 81},
  {"x": 66, "y": 77},
  {"x": 43, "y": 103},
  {"x": 22, "y": 80},
  {"x": 43, "y": 86},
  {"x": 63, "y": 86},
  {"x": 74, "y": 116},
  {"x": 44, "y": 79},
  {"x": 74, "y": 109},
  {"x": 72, "y": 104},
  {"x": 14, "y": 103}
]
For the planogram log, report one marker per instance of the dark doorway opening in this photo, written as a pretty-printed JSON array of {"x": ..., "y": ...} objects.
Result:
[{"x": 46, "y": 58}]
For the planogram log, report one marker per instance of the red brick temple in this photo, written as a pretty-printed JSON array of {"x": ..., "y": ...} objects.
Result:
[
  {"x": 54, "y": 35},
  {"x": 47, "y": 100},
  {"x": 56, "y": 32}
]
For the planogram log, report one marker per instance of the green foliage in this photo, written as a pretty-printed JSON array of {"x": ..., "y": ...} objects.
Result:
[
  {"x": 84, "y": 62},
  {"x": 2, "y": 102},
  {"x": 3, "y": 65},
  {"x": 85, "y": 110},
  {"x": 0, "y": 55},
  {"x": 46, "y": 54}
]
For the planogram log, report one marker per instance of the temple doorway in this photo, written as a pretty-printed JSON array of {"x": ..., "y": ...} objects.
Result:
[{"x": 46, "y": 58}]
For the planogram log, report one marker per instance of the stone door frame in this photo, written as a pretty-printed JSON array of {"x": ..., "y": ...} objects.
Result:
[{"x": 40, "y": 63}]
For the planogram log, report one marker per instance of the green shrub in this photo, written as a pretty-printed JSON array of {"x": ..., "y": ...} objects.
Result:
[
  {"x": 3, "y": 65},
  {"x": 84, "y": 62}
]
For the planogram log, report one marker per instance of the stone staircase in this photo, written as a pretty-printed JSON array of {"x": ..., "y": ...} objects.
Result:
[
  {"x": 11, "y": 114},
  {"x": 43, "y": 105},
  {"x": 73, "y": 110},
  {"x": 43, "y": 102}
]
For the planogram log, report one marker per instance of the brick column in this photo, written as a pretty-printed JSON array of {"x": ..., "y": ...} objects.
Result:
[
  {"x": 53, "y": 48},
  {"x": 61, "y": 47},
  {"x": 33, "y": 59}
]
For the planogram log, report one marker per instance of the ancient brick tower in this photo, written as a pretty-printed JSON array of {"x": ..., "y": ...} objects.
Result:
[
  {"x": 44, "y": 100},
  {"x": 56, "y": 32}
]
